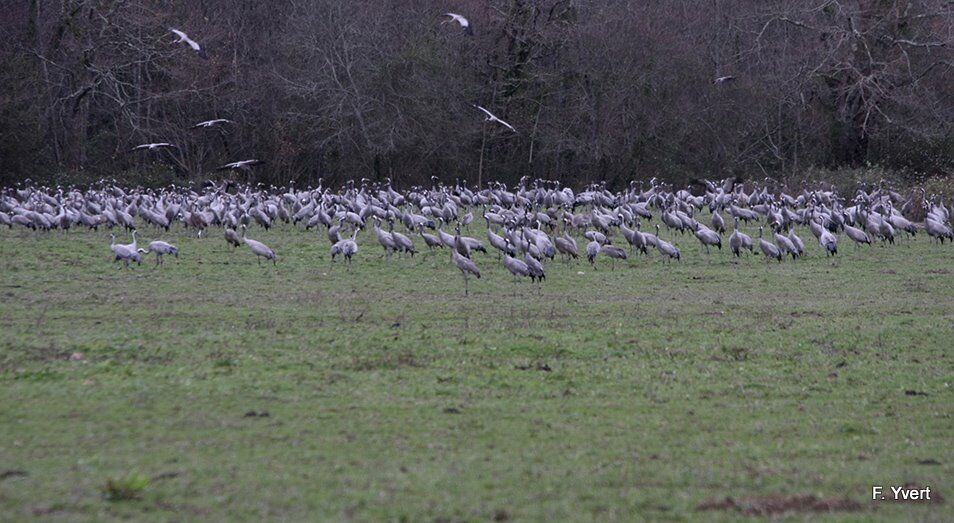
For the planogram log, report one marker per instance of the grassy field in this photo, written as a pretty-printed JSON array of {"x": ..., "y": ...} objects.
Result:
[{"x": 384, "y": 394}]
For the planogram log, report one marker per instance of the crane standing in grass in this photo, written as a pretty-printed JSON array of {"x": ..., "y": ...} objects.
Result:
[
  {"x": 516, "y": 267},
  {"x": 769, "y": 249},
  {"x": 613, "y": 252},
  {"x": 465, "y": 265},
  {"x": 258, "y": 248},
  {"x": 739, "y": 240},
  {"x": 232, "y": 237},
  {"x": 346, "y": 247},
  {"x": 125, "y": 253},
  {"x": 160, "y": 248},
  {"x": 667, "y": 249}
]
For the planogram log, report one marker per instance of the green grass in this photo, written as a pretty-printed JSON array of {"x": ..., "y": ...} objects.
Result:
[{"x": 602, "y": 395}]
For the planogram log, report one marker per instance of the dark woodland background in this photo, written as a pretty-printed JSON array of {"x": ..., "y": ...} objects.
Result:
[{"x": 598, "y": 90}]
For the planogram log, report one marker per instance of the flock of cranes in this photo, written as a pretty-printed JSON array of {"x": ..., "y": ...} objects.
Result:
[
  {"x": 246, "y": 165},
  {"x": 528, "y": 225}
]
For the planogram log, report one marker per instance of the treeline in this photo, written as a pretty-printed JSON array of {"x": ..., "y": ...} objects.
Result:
[{"x": 597, "y": 90}]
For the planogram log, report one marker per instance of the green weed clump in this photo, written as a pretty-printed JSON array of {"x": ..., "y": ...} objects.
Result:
[{"x": 127, "y": 488}]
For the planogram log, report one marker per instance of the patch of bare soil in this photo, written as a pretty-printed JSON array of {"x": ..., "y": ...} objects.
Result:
[
  {"x": 542, "y": 367},
  {"x": 386, "y": 361},
  {"x": 13, "y": 473},
  {"x": 776, "y": 505}
]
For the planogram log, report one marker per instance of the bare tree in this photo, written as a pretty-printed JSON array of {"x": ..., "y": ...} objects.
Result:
[{"x": 599, "y": 90}]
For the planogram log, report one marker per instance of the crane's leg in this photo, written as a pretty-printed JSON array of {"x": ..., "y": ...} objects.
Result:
[
  {"x": 259, "y": 258},
  {"x": 465, "y": 285}
]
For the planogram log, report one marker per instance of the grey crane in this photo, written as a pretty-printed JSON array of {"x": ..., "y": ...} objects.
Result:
[
  {"x": 596, "y": 236},
  {"x": 241, "y": 165},
  {"x": 535, "y": 266},
  {"x": 462, "y": 247},
  {"x": 465, "y": 245},
  {"x": 707, "y": 237},
  {"x": 446, "y": 239},
  {"x": 566, "y": 246},
  {"x": 191, "y": 43},
  {"x": 672, "y": 221},
  {"x": 613, "y": 252},
  {"x": 516, "y": 267},
  {"x": 769, "y": 249},
  {"x": 465, "y": 265},
  {"x": 739, "y": 240},
  {"x": 401, "y": 242},
  {"x": 902, "y": 223},
  {"x": 797, "y": 242},
  {"x": 258, "y": 248},
  {"x": 634, "y": 237},
  {"x": 124, "y": 252},
  {"x": 232, "y": 237},
  {"x": 211, "y": 123},
  {"x": 160, "y": 248},
  {"x": 665, "y": 248},
  {"x": 334, "y": 234},
  {"x": 492, "y": 118},
  {"x": 592, "y": 251},
  {"x": 648, "y": 239},
  {"x": 829, "y": 242},
  {"x": 937, "y": 230},
  {"x": 500, "y": 243},
  {"x": 463, "y": 22},
  {"x": 718, "y": 224},
  {"x": 347, "y": 247},
  {"x": 886, "y": 230},
  {"x": 131, "y": 246},
  {"x": 786, "y": 245},
  {"x": 429, "y": 239},
  {"x": 153, "y": 146},
  {"x": 384, "y": 239},
  {"x": 856, "y": 235}
]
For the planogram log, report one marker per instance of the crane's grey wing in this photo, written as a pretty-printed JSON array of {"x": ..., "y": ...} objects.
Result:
[
  {"x": 488, "y": 113},
  {"x": 193, "y": 44}
]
